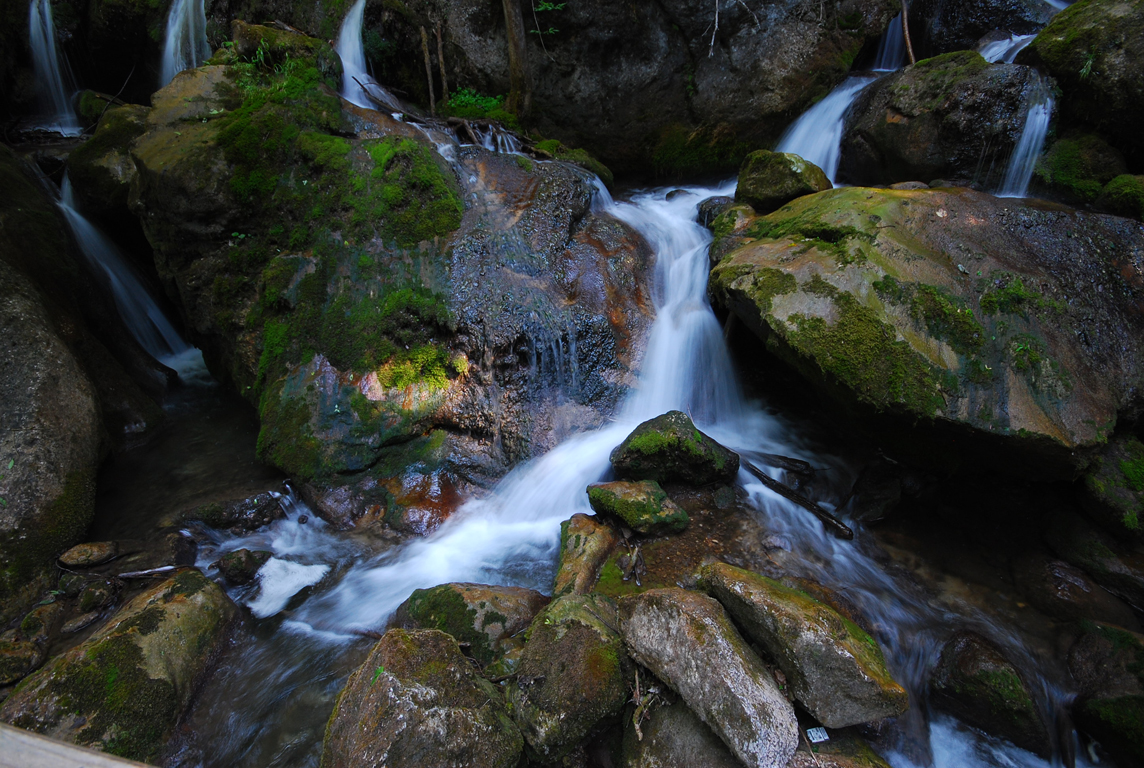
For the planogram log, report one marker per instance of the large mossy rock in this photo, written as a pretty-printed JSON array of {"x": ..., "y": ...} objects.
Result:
[
  {"x": 1114, "y": 488},
  {"x": 486, "y": 617},
  {"x": 975, "y": 683},
  {"x": 1077, "y": 168},
  {"x": 398, "y": 321},
  {"x": 101, "y": 169},
  {"x": 585, "y": 543},
  {"x": 1108, "y": 666},
  {"x": 952, "y": 116},
  {"x": 834, "y": 668},
  {"x": 123, "y": 689},
  {"x": 1009, "y": 323},
  {"x": 1094, "y": 49},
  {"x": 642, "y": 505},
  {"x": 417, "y": 701},
  {"x": 670, "y": 449},
  {"x": 687, "y": 640},
  {"x": 573, "y": 674},
  {"x": 943, "y": 26},
  {"x": 769, "y": 180}
]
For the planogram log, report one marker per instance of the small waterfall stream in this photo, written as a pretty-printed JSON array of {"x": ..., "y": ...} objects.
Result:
[
  {"x": 817, "y": 135},
  {"x": 355, "y": 77},
  {"x": 1028, "y": 149},
  {"x": 185, "y": 46},
  {"x": 54, "y": 82},
  {"x": 891, "y": 54},
  {"x": 1006, "y": 50}
]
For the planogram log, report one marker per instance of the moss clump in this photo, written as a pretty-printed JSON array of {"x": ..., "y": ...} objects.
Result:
[
  {"x": 931, "y": 80},
  {"x": 767, "y": 283},
  {"x": 579, "y": 157},
  {"x": 862, "y": 352},
  {"x": 1124, "y": 196},
  {"x": 1010, "y": 295},
  {"x": 947, "y": 317},
  {"x": 1079, "y": 166},
  {"x": 843, "y": 241},
  {"x": 470, "y": 105},
  {"x": 286, "y": 438},
  {"x": 669, "y": 448},
  {"x": 443, "y": 608},
  {"x": 644, "y": 506}
]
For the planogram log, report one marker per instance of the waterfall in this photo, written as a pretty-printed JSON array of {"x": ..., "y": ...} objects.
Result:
[
  {"x": 355, "y": 78},
  {"x": 891, "y": 48},
  {"x": 142, "y": 316},
  {"x": 1005, "y": 51},
  {"x": 817, "y": 135},
  {"x": 186, "y": 45},
  {"x": 1028, "y": 149},
  {"x": 54, "y": 82}
]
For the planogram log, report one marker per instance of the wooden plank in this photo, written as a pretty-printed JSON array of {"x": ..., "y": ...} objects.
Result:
[{"x": 24, "y": 749}]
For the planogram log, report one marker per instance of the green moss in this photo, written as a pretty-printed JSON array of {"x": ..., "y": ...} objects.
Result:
[
  {"x": 767, "y": 283},
  {"x": 948, "y": 318},
  {"x": 1079, "y": 166},
  {"x": 578, "y": 157},
  {"x": 932, "y": 79},
  {"x": 807, "y": 225},
  {"x": 286, "y": 438},
  {"x": 443, "y": 608},
  {"x": 1009, "y": 295},
  {"x": 1120, "y": 719},
  {"x": 891, "y": 290},
  {"x": 642, "y": 508},
  {"x": 1124, "y": 196},
  {"x": 862, "y": 352}
]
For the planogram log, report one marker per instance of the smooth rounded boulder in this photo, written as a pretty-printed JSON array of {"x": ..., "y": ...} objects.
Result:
[
  {"x": 417, "y": 701},
  {"x": 642, "y": 505},
  {"x": 687, "y": 640},
  {"x": 769, "y": 180},
  {"x": 835, "y": 669},
  {"x": 670, "y": 449}
]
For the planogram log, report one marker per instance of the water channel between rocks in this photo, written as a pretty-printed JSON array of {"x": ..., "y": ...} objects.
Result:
[{"x": 325, "y": 595}]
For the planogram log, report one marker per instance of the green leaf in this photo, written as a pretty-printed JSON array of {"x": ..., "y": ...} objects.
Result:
[
  {"x": 11, "y": 462},
  {"x": 380, "y": 671}
]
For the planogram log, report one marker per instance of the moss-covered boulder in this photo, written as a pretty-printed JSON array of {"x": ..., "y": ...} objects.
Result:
[
  {"x": 671, "y": 734},
  {"x": 835, "y": 669},
  {"x": 123, "y": 689},
  {"x": 245, "y": 514},
  {"x": 670, "y": 449},
  {"x": 1076, "y": 168},
  {"x": 585, "y": 543},
  {"x": 642, "y": 505},
  {"x": 487, "y": 618},
  {"x": 975, "y": 683},
  {"x": 943, "y": 26},
  {"x": 1011, "y": 322},
  {"x": 417, "y": 701},
  {"x": 1111, "y": 561},
  {"x": 573, "y": 674},
  {"x": 769, "y": 180},
  {"x": 90, "y": 553},
  {"x": 241, "y": 566},
  {"x": 1094, "y": 50},
  {"x": 1107, "y": 664},
  {"x": 1114, "y": 488},
  {"x": 1123, "y": 196},
  {"x": 687, "y": 640},
  {"x": 19, "y": 657},
  {"x": 101, "y": 169},
  {"x": 952, "y": 116}
]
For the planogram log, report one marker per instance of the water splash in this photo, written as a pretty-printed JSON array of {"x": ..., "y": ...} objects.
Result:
[
  {"x": 817, "y": 135},
  {"x": 1005, "y": 51},
  {"x": 139, "y": 311},
  {"x": 355, "y": 77},
  {"x": 891, "y": 54},
  {"x": 185, "y": 46},
  {"x": 54, "y": 81},
  {"x": 1028, "y": 149}
]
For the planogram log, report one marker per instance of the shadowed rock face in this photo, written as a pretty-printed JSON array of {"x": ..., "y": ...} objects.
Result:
[
  {"x": 1019, "y": 320},
  {"x": 1107, "y": 664},
  {"x": 941, "y": 26},
  {"x": 687, "y": 640}
]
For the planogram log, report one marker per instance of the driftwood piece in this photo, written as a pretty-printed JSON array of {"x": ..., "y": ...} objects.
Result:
[
  {"x": 839, "y": 528},
  {"x": 906, "y": 31}
]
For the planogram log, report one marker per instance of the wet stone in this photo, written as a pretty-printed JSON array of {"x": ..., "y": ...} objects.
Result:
[
  {"x": 96, "y": 595},
  {"x": 1108, "y": 665},
  {"x": 90, "y": 554},
  {"x": 643, "y": 506},
  {"x": 585, "y": 543},
  {"x": 244, "y": 514},
  {"x": 240, "y": 566},
  {"x": 71, "y": 584},
  {"x": 18, "y": 658},
  {"x": 80, "y": 622},
  {"x": 670, "y": 449},
  {"x": 768, "y": 180}
]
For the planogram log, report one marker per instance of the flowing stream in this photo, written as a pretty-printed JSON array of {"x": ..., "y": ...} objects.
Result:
[
  {"x": 54, "y": 82},
  {"x": 817, "y": 135},
  {"x": 185, "y": 46}
]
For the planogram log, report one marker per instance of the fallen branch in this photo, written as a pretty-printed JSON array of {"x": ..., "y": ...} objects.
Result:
[
  {"x": 840, "y": 529},
  {"x": 797, "y": 466},
  {"x": 906, "y": 32},
  {"x": 161, "y": 570},
  {"x": 381, "y": 103}
]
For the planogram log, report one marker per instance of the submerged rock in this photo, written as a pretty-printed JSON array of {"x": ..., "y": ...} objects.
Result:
[
  {"x": 670, "y": 449},
  {"x": 687, "y": 640},
  {"x": 241, "y": 566},
  {"x": 834, "y": 668},
  {"x": 642, "y": 505},
  {"x": 1108, "y": 666},
  {"x": 769, "y": 180},
  {"x": 585, "y": 543},
  {"x": 975, "y": 683},
  {"x": 674, "y": 736},
  {"x": 950, "y": 308},
  {"x": 573, "y": 674},
  {"x": 487, "y": 618},
  {"x": 416, "y": 701},
  {"x": 123, "y": 689},
  {"x": 1114, "y": 488},
  {"x": 953, "y": 116}
]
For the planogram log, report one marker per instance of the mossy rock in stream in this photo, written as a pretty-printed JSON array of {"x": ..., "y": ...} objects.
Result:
[
  {"x": 1076, "y": 168},
  {"x": 1124, "y": 196},
  {"x": 769, "y": 180},
  {"x": 642, "y": 505},
  {"x": 670, "y": 449}
]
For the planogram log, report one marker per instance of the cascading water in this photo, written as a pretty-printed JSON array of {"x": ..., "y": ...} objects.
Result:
[
  {"x": 891, "y": 54},
  {"x": 53, "y": 77},
  {"x": 1006, "y": 50},
  {"x": 817, "y": 135},
  {"x": 355, "y": 77},
  {"x": 1028, "y": 149},
  {"x": 142, "y": 316},
  {"x": 186, "y": 45},
  {"x": 511, "y": 535}
]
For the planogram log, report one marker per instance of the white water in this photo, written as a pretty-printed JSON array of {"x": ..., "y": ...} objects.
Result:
[
  {"x": 1005, "y": 51},
  {"x": 351, "y": 49},
  {"x": 817, "y": 135},
  {"x": 54, "y": 82},
  {"x": 186, "y": 44},
  {"x": 142, "y": 316},
  {"x": 1028, "y": 149},
  {"x": 891, "y": 48}
]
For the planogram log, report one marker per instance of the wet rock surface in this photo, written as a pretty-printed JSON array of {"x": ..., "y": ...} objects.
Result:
[
  {"x": 573, "y": 674},
  {"x": 488, "y": 619},
  {"x": 954, "y": 116},
  {"x": 1114, "y": 488},
  {"x": 978, "y": 685},
  {"x": 672, "y": 735},
  {"x": 835, "y": 669},
  {"x": 770, "y": 180},
  {"x": 1065, "y": 592},
  {"x": 417, "y": 701},
  {"x": 687, "y": 640},
  {"x": 123, "y": 689},
  {"x": 245, "y": 514},
  {"x": 89, "y": 554},
  {"x": 669, "y": 448},
  {"x": 951, "y": 305},
  {"x": 1108, "y": 666},
  {"x": 241, "y": 566},
  {"x": 585, "y": 543},
  {"x": 942, "y": 26},
  {"x": 643, "y": 506},
  {"x": 1118, "y": 569}
]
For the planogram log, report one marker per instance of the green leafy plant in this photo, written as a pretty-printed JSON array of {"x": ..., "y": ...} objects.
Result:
[
  {"x": 1089, "y": 60},
  {"x": 541, "y": 7},
  {"x": 377, "y": 675}
]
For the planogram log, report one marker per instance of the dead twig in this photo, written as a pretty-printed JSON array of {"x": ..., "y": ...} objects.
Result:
[{"x": 839, "y": 528}]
